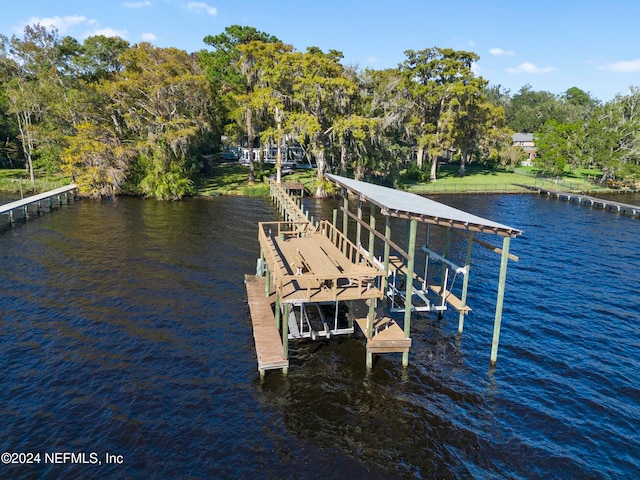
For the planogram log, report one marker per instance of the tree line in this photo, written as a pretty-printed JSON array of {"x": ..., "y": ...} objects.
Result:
[{"x": 139, "y": 119}]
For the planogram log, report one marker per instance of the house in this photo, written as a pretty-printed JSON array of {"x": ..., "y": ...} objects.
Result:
[{"x": 525, "y": 140}]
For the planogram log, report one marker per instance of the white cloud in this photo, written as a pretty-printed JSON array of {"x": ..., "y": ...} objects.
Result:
[
  {"x": 109, "y": 32},
  {"x": 499, "y": 51},
  {"x": 146, "y": 3},
  {"x": 475, "y": 68},
  {"x": 527, "y": 67},
  {"x": 201, "y": 7},
  {"x": 623, "y": 66},
  {"x": 67, "y": 24},
  {"x": 62, "y": 24},
  {"x": 148, "y": 37}
]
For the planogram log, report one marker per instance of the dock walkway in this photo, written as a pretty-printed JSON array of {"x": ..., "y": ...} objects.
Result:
[
  {"x": 24, "y": 203},
  {"x": 265, "y": 333},
  {"x": 611, "y": 205},
  {"x": 387, "y": 336}
]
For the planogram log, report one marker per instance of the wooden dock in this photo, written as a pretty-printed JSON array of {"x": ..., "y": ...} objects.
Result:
[
  {"x": 23, "y": 204},
  {"x": 611, "y": 205},
  {"x": 387, "y": 336},
  {"x": 269, "y": 351},
  {"x": 307, "y": 265}
]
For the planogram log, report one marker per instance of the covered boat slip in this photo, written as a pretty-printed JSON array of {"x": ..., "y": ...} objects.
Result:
[
  {"x": 406, "y": 291},
  {"x": 309, "y": 268}
]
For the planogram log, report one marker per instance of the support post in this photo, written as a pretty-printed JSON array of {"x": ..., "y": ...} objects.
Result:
[
  {"x": 358, "y": 226},
  {"x": 334, "y": 221},
  {"x": 411, "y": 250},
  {"x": 499, "y": 302},
  {"x": 278, "y": 312},
  {"x": 465, "y": 283},
  {"x": 372, "y": 224},
  {"x": 443, "y": 276},
  {"x": 425, "y": 278},
  {"x": 345, "y": 221},
  {"x": 267, "y": 280},
  {"x": 370, "y": 319},
  {"x": 285, "y": 335},
  {"x": 387, "y": 250}
]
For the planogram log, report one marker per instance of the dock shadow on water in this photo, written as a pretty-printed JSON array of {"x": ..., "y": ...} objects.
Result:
[{"x": 124, "y": 329}]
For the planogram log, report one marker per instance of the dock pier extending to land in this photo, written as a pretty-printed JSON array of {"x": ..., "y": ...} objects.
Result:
[
  {"x": 320, "y": 282},
  {"x": 580, "y": 199},
  {"x": 50, "y": 196}
]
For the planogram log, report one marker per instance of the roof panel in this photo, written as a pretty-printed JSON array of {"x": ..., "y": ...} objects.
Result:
[{"x": 405, "y": 204}]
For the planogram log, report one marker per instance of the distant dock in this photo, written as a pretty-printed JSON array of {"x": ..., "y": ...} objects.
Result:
[
  {"x": 613, "y": 206},
  {"x": 59, "y": 195}
]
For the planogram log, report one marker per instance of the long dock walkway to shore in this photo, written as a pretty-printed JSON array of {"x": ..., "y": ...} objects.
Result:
[
  {"x": 611, "y": 205},
  {"x": 23, "y": 204},
  {"x": 265, "y": 332}
]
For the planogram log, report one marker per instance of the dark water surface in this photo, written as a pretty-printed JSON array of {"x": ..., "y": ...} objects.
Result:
[{"x": 124, "y": 329}]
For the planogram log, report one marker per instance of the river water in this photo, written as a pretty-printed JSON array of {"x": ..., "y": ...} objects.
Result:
[{"x": 124, "y": 330}]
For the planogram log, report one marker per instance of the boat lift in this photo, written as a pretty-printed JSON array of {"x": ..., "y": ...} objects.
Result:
[
  {"x": 396, "y": 288},
  {"x": 413, "y": 295},
  {"x": 304, "y": 323}
]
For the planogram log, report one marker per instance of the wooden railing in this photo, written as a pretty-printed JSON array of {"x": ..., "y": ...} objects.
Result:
[
  {"x": 311, "y": 283},
  {"x": 346, "y": 246},
  {"x": 289, "y": 208}
]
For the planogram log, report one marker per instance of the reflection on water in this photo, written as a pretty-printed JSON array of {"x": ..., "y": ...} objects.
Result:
[{"x": 124, "y": 329}]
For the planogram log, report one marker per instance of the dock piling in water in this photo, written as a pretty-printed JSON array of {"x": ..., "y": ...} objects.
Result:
[
  {"x": 23, "y": 204},
  {"x": 610, "y": 205}
]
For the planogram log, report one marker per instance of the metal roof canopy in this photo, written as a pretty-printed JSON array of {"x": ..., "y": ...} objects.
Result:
[{"x": 397, "y": 203}]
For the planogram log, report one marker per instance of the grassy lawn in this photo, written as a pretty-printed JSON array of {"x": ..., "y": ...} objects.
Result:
[
  {"x": 16, "y": 180},
  {"x": 479, "y": 178},
  {"x": 231, "y": 178}
]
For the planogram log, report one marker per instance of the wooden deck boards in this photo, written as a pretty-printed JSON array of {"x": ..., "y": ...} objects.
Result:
[
  {"x": 266, "y": 336},
  {"x": 312, "y": 269},
  {"x": 387, "y": 337},
  {"x": 450, "y": 298}
]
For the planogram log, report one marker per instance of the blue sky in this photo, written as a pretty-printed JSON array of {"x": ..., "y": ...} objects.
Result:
[{"x": 551, "y": 45}]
